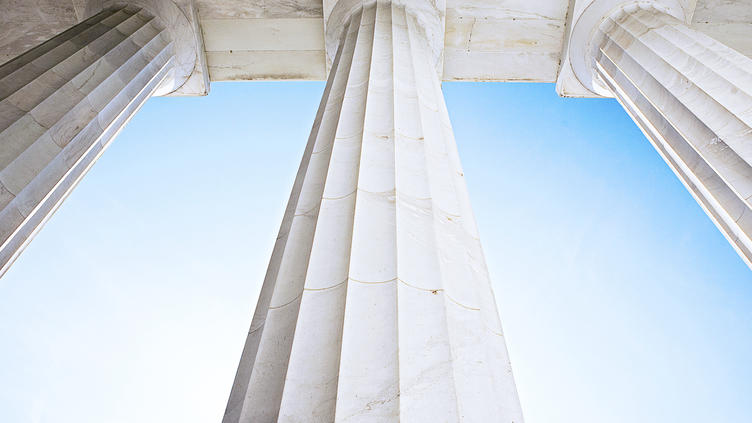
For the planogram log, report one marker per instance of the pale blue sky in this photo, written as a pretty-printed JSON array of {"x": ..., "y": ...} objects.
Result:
[{"x": 620, "y": 300}]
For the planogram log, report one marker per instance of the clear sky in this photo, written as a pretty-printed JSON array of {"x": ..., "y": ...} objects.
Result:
[{"x": 621, "y": 301}]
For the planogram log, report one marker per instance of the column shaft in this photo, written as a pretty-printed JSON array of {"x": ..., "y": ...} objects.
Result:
[
  {"x": 61, "y": 103},
  {"x": 692, "y": 97},
  {"x": 377, "y": 304}
]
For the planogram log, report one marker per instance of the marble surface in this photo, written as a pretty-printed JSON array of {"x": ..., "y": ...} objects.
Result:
[
  {"x": 508, "y": 40},
  {"x": 27, "y": 23},
  {"x": 733, "y": 29},
  {"x": 485, "y": 40},
  {"x": 377, "y": 305},
  {"x": 260, "y": 9},
  {"x": 265, "y": 49},
  {"x": 60, "y": 106},
  {"x": 263, "y": 39},
  {"x": 691, "y": 96}
]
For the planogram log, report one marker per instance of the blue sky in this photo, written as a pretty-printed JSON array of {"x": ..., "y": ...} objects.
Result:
[{"x": 620, "y": 300}]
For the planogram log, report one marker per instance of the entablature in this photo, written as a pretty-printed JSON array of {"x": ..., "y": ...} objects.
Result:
[{"x": 484, "y": 40}]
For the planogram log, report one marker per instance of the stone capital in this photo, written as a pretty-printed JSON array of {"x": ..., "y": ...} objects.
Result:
[
  {"x": 428, "y": 14},
  {"x": 576, "y": 76},
  {"x": 189, "y": 76}
]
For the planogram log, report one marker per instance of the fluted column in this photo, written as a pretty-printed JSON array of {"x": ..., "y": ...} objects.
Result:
[
  {"x": 61, "y": 103},
  {"x": 692, "y": 97},
  {"x": 377, "y": 304}
]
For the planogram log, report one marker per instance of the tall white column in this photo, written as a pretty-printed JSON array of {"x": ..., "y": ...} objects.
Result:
[
  {"x": 377, "y": 304},
  {"x": 61, "y": 104},
  {"x": 692, "y": 97}
]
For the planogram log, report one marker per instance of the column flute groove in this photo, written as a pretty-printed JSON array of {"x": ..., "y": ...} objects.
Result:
[{"x": 257, "y": 391}]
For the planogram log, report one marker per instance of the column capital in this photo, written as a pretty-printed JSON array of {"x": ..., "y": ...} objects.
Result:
[
  {"x": 428, "y": 14},
  {"x": 190, "y": 75},
  {"x": 576, "y": 74}
]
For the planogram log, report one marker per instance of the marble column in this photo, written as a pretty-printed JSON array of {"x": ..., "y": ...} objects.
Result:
[
  {"x": 377, "y": 305},
  {"x": 692, "y": 97},
  {"x": 61, "y": 103}
]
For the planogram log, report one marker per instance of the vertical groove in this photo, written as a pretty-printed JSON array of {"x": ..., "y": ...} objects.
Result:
[
  {"x": 311, "y": 380},
  {"x": 368, "y": 380},
  {"x": 470, "y": 378},
  {"x": 242, "y": 378},
  {"x": 427, "y": 390},
  {"x": 264, "y": 395},
  {"x": 493, "y": 358}
]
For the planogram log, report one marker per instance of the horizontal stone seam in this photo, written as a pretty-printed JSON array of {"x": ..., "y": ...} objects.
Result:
[
  {"x": 338, "y": 284},
  {"x": 297, "y": 297},
  {"x": 373, "y": 282},
  {"x": 436, "y": 291}
]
